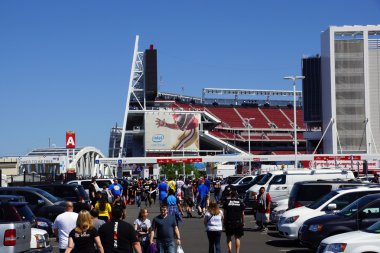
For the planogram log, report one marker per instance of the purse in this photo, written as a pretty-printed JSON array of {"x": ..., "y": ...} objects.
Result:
[{"x": 179, "y": 249}]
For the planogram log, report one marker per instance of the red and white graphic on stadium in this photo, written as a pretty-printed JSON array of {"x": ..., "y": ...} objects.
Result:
[{"x": 172, "y": 131}]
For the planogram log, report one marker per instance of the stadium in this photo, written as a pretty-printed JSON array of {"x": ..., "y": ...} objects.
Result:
[{"x": 332, "y": 122}]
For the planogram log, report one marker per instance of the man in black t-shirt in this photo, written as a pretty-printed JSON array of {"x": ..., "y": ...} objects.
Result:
[
  {"x": 118, "y": 236},
  {"x": 92, "y": 190},
  {"x": 233, "y": 217}
]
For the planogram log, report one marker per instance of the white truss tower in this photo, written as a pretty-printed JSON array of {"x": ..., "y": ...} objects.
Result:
[{"x": 136, "y": 90}]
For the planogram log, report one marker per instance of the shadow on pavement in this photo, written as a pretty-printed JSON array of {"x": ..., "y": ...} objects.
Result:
[
  {"x": 275, "y": 235},
  {"x": 284, "y": 243}
]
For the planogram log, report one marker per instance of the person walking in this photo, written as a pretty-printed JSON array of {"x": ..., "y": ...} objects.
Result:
[
  {"x": 202, "y": 192},
  {"x": 233, "y": 218},
  {"x": 92, "y": 191},
  {"x": 173, "y": 205},
  {"x": 153, "y": 193},
  {"x": 104, "y": 208},
  {"x": 213, "y": 222},
  {"x": 83, "y": 238},
  {"x": 116, "y": 189},
  {"x": 118, "y": 236},
  {"x": 63, "y": 224},
  {"x": 142, "y": 226},
  {"x": 96, "y": 222},
  {"x": 166, "y": 229},
  {"x": 217, "y": 187},
  {"x": 163, "y": 190},
  {"x": 188, "y": 196},
  {"x": 263, "y": 209}
]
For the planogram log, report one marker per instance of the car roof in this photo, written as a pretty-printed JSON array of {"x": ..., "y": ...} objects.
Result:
[
  {"x": 331, "y": 181},
  {"x": 358, "y": 189},
  {"x": 59, "y": 185},
  {"x": 23, "y": 188}
]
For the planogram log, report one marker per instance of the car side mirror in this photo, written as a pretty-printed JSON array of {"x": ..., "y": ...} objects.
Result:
[
  {"x": 331, "y": 206},
  {"x": 40, "y": 202}
]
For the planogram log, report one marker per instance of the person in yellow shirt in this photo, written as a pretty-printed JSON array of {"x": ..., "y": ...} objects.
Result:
[
  {"x": 172, "y": 184},
  {"x": 104, "y": 208}
]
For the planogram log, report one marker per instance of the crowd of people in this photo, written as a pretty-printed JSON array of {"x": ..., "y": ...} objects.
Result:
[{"x": 101, "y": 228}]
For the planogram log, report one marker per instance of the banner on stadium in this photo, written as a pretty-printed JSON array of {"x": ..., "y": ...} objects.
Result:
[{"x": 172, "y": 131}]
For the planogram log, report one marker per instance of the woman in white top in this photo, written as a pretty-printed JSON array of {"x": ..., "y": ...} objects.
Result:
[
  {"x": 142, "y": 226},
  {"x": 213, "y": 222}
]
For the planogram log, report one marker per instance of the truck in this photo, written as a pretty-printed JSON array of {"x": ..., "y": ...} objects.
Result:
[
  {"x": 224, "y": 170},
  {"x": 15, "y": 233}
]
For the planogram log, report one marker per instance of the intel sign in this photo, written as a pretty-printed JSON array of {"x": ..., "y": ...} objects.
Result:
[{"x": 158, "y": 138}]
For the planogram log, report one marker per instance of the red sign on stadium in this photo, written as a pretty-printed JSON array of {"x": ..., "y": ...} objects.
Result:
[
  {"x": 70, "y": 139},
  {"x": 329, "y": 158},
  {"x": 179, "y": 160}
]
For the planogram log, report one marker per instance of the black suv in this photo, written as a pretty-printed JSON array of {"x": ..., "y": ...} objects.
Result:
[
  {"x": 70, "y": 192},
  {"x": 41, "y": 202},
  {"x": 359, "y": 215}
]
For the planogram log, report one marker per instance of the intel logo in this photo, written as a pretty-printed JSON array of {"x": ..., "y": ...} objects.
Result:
[{"x": 158, "y": 138}]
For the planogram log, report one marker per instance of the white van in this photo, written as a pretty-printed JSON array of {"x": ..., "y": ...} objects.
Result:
[{"x": 280, "y": 183}]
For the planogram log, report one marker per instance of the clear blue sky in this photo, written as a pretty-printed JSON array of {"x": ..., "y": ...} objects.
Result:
[{"x": 65, "y": 65}]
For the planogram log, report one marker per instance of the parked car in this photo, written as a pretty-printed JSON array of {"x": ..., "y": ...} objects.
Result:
[
  {"x": 39, "y": 240},
  {"x": 305, "y": 193},
  {"x": 279, "y": 184},
  {"x": 291, "y": 221},
  {"x": 37, "y": 222},
  {"x": 70, "y": 192},
  {"x": 15, "y": 233},
  {"x": 366, "y": 240},
  {"x": 42, "y": 203},
  {"x": 241, "y": 185},
  {"x": 360, "y": 214},
  {"x": 86, "y": 183}
]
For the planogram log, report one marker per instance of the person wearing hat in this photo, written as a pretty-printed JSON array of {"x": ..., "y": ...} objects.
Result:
[
  {"x": 233, "y": 218},
  {"x": 202, "y": 192}
]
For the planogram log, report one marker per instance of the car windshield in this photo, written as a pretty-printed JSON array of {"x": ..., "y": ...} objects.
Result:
[
  {"x": 230, "y": 180},
  {"x": 375, "y": 228},
  {"x": 316, "y": 204},
  {"x": 265, "y": 179},
  {"x": 257, "y": 179},
  {"x": 47, "y": 195},
  {"x": 354, "y": 206}
]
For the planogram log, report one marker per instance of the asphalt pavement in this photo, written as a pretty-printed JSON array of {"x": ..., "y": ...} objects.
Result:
[{"x": 194, "y": 238}]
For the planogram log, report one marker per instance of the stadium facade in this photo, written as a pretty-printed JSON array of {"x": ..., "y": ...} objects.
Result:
[{"x": 350, "y": 60}]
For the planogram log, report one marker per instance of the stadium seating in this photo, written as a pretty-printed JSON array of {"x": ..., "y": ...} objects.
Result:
[
  {"x": 259, "y": 120},
  {"x": 276, "y": 116},
  {"x": 227, "y": 115}
]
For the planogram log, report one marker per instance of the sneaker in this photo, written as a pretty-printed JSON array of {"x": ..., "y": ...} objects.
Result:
[{"x": 264, "y": 230}]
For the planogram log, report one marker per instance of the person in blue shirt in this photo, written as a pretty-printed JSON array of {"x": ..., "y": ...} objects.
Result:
[
  {"x": 163, "y": 189},
  {"x": 116, "y": 189},
  {"x": 202, "y": 192}
]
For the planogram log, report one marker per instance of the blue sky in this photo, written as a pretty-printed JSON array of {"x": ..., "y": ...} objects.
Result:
[{"x": 65, "y": 65}]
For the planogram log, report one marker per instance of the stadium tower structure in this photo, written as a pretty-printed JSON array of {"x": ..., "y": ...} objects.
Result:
[
  {"x": 350, "y": 57},
  {"x": 209, "y": 125}
]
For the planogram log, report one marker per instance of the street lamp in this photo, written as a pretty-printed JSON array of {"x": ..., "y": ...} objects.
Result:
[
  {"x": 247, "y": 124},
  {"x": 294, "y": 78}
]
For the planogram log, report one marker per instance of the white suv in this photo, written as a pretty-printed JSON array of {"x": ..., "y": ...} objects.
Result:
[{"x": 291, "y": 221}]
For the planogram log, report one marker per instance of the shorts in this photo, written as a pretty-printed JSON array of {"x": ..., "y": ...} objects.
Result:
[
  {"x": 235, "y": 229},
  {"x": 189, "y": 202},
  {"x": 262, "y": 217},
  {"x": 201, "y": 202}
]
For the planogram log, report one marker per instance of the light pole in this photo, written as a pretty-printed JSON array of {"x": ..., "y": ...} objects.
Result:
[
  {"x": 247, "y": 124},
  {"x": 294, "y": 78}
]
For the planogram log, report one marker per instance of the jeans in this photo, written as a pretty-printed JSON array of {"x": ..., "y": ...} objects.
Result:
[
  {"x": 216, "y": 196},
  {"x": 166, "y": 246},
  {"x": 214, "y": 241},
  {"x": 138, "y": 201}
]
